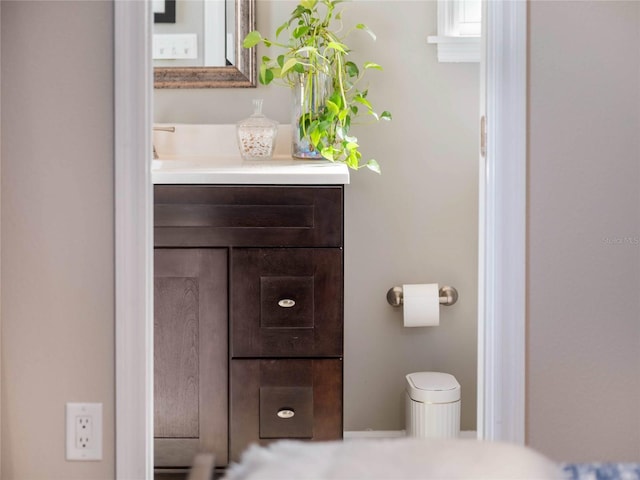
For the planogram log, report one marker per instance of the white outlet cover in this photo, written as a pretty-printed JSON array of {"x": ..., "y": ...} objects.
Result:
[{"x": 90, "y": 446}]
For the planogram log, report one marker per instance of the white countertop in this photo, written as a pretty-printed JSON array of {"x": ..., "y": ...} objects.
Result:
[
  {"x": 208, "y": 154},
  {"x": 281, "y": 170}
]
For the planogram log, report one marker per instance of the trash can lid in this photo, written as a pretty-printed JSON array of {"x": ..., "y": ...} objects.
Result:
[{"x": 433, "y": 387}]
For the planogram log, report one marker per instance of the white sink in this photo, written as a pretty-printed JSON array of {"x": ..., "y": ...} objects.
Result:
[{"x": 208, "y": 154}]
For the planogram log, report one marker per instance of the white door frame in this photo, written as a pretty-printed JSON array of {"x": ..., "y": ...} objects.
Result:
[
  {"x": 502, "y": 226},
  {"x": 501, "y": 328},
  {"x": 133, "y": 240}
]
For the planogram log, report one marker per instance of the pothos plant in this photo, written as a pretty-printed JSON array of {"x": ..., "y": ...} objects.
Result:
[{"x": 313, "y": 50}]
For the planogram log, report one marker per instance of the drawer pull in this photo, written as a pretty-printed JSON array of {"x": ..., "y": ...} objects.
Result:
[
  {"x": 286, "y": 413},
  {"x": 286, "y": 303}
]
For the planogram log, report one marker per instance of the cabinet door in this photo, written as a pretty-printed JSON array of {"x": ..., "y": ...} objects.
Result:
[{"x": 190, "y": 355}]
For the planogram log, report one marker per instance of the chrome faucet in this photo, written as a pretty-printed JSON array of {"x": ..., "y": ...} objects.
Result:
[{"x": 161, "y": 129}]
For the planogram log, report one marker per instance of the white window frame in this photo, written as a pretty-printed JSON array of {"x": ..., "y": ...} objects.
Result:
[{"x": 453, "y": 45}]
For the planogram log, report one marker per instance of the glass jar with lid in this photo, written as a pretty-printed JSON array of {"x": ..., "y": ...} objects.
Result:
[{"x": 257, "y": 135}]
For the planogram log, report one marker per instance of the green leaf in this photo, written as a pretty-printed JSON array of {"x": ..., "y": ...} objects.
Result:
[
  {"x": 385, "y": 115},
  {"x": 280, "y": 60},
  {"x": 308, "y": 4},
  {"x": 337, "y": 46},
  {"x": 313, "y": 126},
  {"x": 343, "y": 114},
  {"x": 298, "y": 68},
  {"x": 373, "y": 166},
  {"x": 266, "y": 75},
  {"x": 362, "y": 26},
  {"x": 281, "y": 28},
  {"x": 354, "y": 109},
  {"x": 372, "y": 65},
  {"x": 297, "y": 12},
  {"x": 276, "y": 71},
  {"x": 336, "y": 98},
  {"x": 352, "y": 69},
  {"x": 352, "y": 161},
  {"x": 324, "y": 125},
  {"x": 300, "y": 31},
  {"x": 333, "y": 108},
  {"x": 305, "y": 121},
  {"x": 327, "y": 153},
  {"x": 315, "y": 135},
  {"x": 288, "y": 65},
  {"x": 262, "y": 74},
  {"x": 363, "y": 101},
  {"x": 252, "y": 39}
]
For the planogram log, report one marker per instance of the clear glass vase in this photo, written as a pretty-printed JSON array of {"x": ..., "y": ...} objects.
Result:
[{"x": 310, "y": 93}]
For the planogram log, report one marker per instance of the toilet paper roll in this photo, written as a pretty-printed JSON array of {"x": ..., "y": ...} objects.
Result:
[{"x": 421, "y": 305}]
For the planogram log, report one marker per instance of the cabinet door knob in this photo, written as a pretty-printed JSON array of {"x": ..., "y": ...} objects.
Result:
[
  {"x": 286, "y": 413},
  {"x": 286, "y": 303}
]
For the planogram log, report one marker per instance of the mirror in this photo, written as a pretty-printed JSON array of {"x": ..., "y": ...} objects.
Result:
[{"x": 213, "y": 56}]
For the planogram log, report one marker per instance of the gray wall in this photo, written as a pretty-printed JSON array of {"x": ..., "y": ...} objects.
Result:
[
  {"x": 584, "y": 230},
  {"x": 57, "y": 231},
  {"x": 416, "y": 223}
]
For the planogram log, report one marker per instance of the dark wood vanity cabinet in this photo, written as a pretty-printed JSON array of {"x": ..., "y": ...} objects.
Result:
[{"x": 248, "y": 317}]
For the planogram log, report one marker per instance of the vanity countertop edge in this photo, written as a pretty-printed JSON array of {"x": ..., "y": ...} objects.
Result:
[{"x": 234, "y": 171}]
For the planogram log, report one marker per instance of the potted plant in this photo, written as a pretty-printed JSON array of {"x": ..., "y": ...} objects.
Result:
[{"x": 327, "y": 98}]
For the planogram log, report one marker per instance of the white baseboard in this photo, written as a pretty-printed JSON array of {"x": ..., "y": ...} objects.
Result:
[{"x": 395, "y": 434}]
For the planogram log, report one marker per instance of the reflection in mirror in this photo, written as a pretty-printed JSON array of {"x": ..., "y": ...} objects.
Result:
[
  {"x": 164, "y": 11},
  {"x": 198, "y": 43}
]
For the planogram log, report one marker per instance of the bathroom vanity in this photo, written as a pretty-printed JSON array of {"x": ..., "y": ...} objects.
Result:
[{"x": 248, "y": 330}]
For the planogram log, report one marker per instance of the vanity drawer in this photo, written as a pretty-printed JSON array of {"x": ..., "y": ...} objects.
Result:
[
  {"x": 257, "y": 216},
  {"x": 286, "y": 302},
  {"x": 307, "y": 392}
]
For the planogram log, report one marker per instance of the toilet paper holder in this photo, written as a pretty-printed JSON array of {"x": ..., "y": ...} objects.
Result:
[{"x": 447, "y": 296}]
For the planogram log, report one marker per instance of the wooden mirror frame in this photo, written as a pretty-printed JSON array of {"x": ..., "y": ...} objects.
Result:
[{"x": 241, "y": 75}]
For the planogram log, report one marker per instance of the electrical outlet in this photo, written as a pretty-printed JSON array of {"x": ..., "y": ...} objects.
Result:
[{"x": 84, "y": 431}]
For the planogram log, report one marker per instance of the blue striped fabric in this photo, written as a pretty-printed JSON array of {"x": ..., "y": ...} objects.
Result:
[{"x": 601, "y": 471}]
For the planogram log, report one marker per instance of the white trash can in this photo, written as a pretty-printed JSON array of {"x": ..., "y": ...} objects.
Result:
[{"x": 432, "y": 405}]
